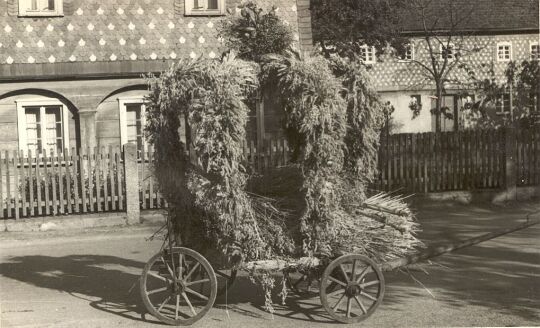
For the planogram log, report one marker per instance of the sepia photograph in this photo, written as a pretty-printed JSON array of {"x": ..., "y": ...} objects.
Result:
[{"x": 269, "y": 163}]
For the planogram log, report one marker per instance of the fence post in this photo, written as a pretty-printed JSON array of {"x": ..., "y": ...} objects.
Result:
[
  {"x": 132, "y": 183},
  {"x": 510, "y": 163}
]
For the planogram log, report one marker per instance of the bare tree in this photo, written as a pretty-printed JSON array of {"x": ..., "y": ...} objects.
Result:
[{"x": 446, "y": 42}]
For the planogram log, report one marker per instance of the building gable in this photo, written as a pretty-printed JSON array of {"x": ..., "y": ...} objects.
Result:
[{"x": 108, "y": 32}]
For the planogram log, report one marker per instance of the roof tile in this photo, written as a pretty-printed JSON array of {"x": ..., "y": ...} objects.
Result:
[{"x": 477, "y": 15}]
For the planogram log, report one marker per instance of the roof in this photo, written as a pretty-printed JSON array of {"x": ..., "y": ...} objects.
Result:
[
  {"x": 475, "y": 15},
  {"x": 116, "y": 30}
]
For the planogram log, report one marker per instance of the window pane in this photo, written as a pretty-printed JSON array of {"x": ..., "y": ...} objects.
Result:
[
  {"x": 53, "y": 128},
  {"x": 131, "y": 133},
  {"x": 59, "y": 145},
  {"x": 140, "y": 143},
  {"x": 503, "y": 52},
  {"x": 51, "y": 5},
  {"x": 135, "y": 129},
  {"x": 133, "y": 111},
  {"x": 448, "y": 52},
  {"x": 534, "y": 51},
  {"x": 506, "y": 102},
  {"x": 33, "y": 4},
  {"x": 52, "y": 116},
  {"x": 212, "y": 4},
  {"x": 196, "y": 4},
  {"x": 367, "y": 54},
  {"x": 416, "y": 99},
  {"x": 131, "y": 117},
  {"x": 33, "y": 130},
  {"x": 408, "y": 55},
  {"x": 59, "y": 130}
]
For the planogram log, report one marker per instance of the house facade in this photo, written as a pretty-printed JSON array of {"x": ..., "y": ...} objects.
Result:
[
  {"x": 71, "y": 71},
  {"x": 494, "y": 33}
]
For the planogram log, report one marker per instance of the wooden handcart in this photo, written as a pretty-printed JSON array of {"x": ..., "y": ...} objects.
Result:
[{"x": 179, "y": 285}]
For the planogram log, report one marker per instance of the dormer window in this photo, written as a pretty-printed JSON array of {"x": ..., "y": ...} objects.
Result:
[
  {"x": 32, "y": 8},
  {"x": 205, "y": 7}
]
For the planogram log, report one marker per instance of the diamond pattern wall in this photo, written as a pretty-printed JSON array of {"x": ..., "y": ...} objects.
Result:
[
  {"x": 93, "y": 30},
  {"x": 390, "y": 73},
  {"x": 115, "y": 30}
]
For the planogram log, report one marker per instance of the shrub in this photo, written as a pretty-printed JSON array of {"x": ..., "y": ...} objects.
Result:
[{"x": 256, "y": 33}]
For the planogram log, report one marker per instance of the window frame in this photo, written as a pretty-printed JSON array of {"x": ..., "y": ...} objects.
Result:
[
  {"x": 453, "y": 54},
  {"x": 417, "y": 98},
  {"x": 503, "y": 110},
  {"x": 190, "y": 11},
  {"x": 372, "y": 48},
  {"x": 42, "y": 103},
  {"x": 122, "y": 107},
  {"x": 463, "y": 99},
  {"x": 531, "y": 45},
  {"x": 410, "y": 46},
  {"x": 25, "y": 12},
  {"x": 510, "y": 48}
]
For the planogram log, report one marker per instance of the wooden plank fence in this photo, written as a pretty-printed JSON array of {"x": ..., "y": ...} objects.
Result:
[
  {"x": 72, "y": 182},
  {"x": 528, "y": 157},
  {"x": 431, "y": 162},
  {"x": 149, "y": 195},
  {"x": 462, "y": 160},
  {"x": 93, "y": 180}
]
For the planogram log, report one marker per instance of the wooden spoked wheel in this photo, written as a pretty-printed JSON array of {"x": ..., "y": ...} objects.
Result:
[
  {"x": 352, "y": 287},
  {"x": 178, "y": 287},
  {"x": 225, "y": 279}
]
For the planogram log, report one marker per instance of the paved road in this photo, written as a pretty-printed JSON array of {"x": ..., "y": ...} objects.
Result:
[{"x": 89, "y": 279}]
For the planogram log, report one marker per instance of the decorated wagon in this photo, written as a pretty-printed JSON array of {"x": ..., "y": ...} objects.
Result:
[{"x": 312, "y": 219}]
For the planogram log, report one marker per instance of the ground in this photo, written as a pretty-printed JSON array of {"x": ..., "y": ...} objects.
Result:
[{"x": 90, "y": 279}]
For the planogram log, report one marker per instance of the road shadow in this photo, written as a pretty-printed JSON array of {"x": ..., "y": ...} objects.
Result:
[
  {"x": 302, "y": 307},
  {"x": 501, "y": 274},
  {"x": 108, "y": 283}
]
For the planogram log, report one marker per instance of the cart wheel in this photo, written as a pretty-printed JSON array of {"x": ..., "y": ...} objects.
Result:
[
  {"x": 355, "y": 293},
  {"x": 178, "y": 287},
  {"x": 225, "y": 279}
]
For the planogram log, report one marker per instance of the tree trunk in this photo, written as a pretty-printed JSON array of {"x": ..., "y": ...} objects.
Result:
[{"x": 438, "y": 107}]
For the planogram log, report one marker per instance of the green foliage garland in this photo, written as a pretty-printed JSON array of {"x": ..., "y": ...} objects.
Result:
[
  {"x": 365, "y": 118},
  {"x": 207, "y": 200},
  {"x": 316, "y": 120},
  {"x": 332, "y": 120}
]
